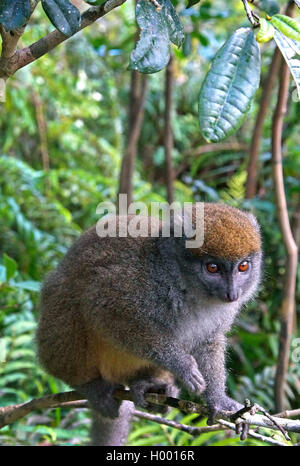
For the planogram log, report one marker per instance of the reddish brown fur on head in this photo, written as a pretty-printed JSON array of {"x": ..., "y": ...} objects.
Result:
[{"x": 228, "y": 233}]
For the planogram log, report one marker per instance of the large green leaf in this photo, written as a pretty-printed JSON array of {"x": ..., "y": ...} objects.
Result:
[
  {"x": 14, "y": 13},
  {"x": 63, "y": 15},
  {"x": 158, "y": 28},
  {"x": 229, "y": 86},
  {"x": 289, "y": 49},
  {"x": 152, "y": 52}
]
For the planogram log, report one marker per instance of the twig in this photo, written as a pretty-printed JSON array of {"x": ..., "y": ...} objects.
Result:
[
  {"x": 12, "y": 413},
  {"x": 272, "y": 419},
  {"x": 192, "y": 430},
  {"x": 250, "y": 14},
  {"x": 289, "y": 413},
  {"x": 253, "y": 434}
]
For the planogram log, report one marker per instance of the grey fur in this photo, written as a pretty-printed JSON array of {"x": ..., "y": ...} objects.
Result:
[{"x": 150, "y": 298}]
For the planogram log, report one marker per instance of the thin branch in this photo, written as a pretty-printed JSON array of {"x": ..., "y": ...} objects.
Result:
[
  {"x": 289, "y": 413},
  {"x": 192, "y": 430},
  {"x": 253, "y": 434},
  {"x": 273, "y": 419},
  {"x": 250, "y": 15},
  {"x": 10, "y": 414}
]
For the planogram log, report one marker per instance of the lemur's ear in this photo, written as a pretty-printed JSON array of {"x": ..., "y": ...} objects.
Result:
[{"x": 253, "y": 220}]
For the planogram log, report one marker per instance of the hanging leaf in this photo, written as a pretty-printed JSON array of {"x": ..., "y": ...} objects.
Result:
[
  {"x": 152, "y": 52},
  {"x": 288, "y": 26},
  {"x": 172, "y": 20},
  {"x": 14, "y": 13},
  {"x": 63, "y": 15},
  {"x": 158, "y": 28},
  {"x": 289, "y": 50},
  {"x": 226, "y": 93},
  {"x": 265, "y": 32}
]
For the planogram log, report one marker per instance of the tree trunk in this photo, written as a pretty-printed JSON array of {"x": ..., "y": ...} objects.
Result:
[{"x": 136, "y": 113}]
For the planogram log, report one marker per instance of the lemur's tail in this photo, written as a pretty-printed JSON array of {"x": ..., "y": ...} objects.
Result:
[{"x": 112, "y": 432}]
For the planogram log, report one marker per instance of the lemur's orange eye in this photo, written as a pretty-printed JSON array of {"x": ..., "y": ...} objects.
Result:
[
  {"x": 243, "y": 266},
  {"x": 212, "y": 268}
]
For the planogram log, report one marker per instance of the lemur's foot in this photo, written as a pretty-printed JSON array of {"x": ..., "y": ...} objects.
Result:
[{"x": 140, "y": 388}]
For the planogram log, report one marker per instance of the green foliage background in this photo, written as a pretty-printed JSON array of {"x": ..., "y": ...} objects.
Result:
[{"x": 84, "y": 89}]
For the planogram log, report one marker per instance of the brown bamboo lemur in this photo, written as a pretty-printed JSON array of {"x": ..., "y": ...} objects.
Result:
[{"x": 143, "y": 312}]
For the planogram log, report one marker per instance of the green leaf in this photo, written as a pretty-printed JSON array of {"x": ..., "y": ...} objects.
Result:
[
  {"x": 174, "y": 25},
  {"x": 29, "y": 285},
  {"x": 63, "y": 15},
  {"x": 11, "y": 266},
  {"x": 265, "y": 32},
  {"x": 227, "y": 91},
  {"x": 288, "y": 26},
  {"x": 152, "y": 52},
  {"x": 14, "y": 13},
  {"x": 158, "y": 28},
  {"x": 192, "y": 3},
  {"x": 289, "y": 49}
]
